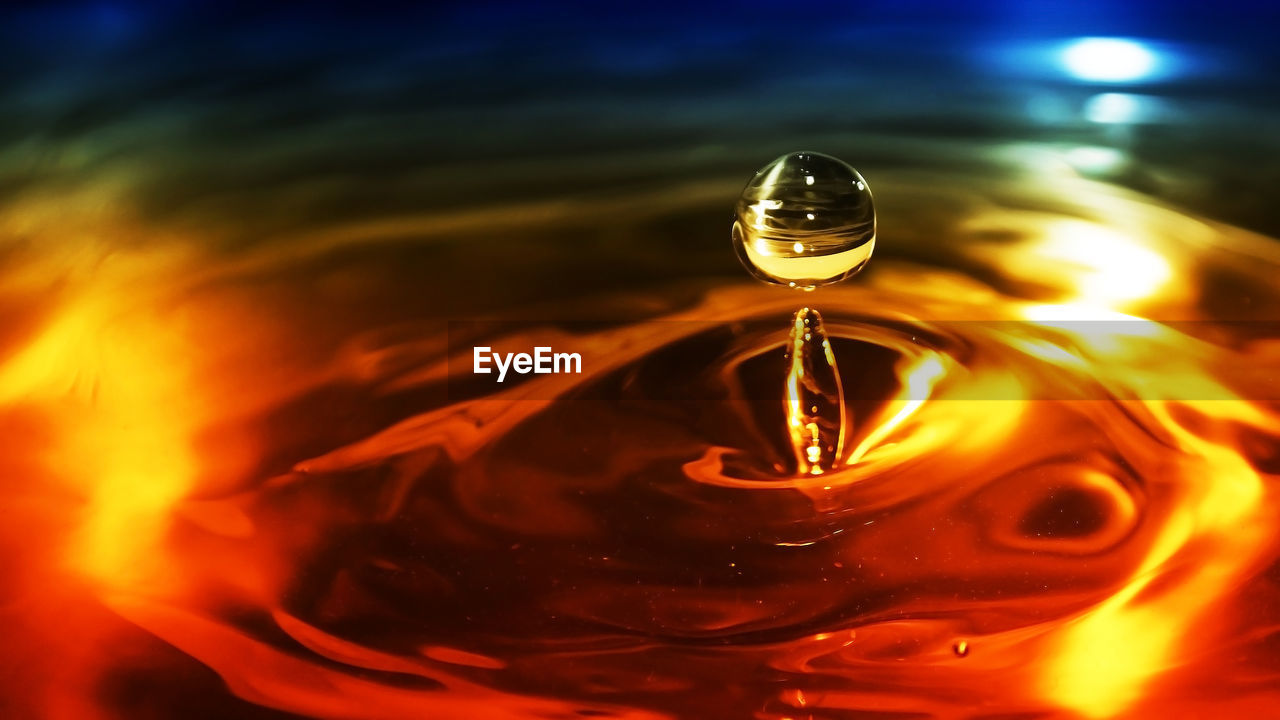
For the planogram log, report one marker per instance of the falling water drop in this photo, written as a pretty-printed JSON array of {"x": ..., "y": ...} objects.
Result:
[
  {"x": 805, "y": 220},
  {"x": 814, "y": 400},
  {"x": 961, "y": 648}
]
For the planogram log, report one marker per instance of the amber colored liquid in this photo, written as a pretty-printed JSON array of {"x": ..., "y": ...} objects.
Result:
[
  {"x": 246, "y": 473},
  {"x": 1048, "y": 505}
]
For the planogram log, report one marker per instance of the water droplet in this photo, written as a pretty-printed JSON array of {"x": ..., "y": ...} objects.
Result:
[
  {"x": 961, "y": 648},
  {"x": 814, "y": 401},
  {"x": 804, "y": 220}
]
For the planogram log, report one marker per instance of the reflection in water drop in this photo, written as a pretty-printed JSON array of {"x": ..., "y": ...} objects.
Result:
[
  {"x": 961, "y": 648},
  {"x": 804, "y": 220},
  {"x": 814, "y": 402}
]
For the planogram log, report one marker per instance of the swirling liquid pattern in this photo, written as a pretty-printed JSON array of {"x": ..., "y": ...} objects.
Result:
[
  {"x": 245, "y": 254},
  {"x": 1058, "y": 497}
]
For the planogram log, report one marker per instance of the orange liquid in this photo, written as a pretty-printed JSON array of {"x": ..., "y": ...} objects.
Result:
[{"x": 259, "y": 479}]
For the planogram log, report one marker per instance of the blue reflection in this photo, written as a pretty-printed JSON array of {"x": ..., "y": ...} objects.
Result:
[
  {"x": 1103, "y": 60},
  {"x": 1111, "y": 108},
  {"x": 1128, "y": 109}
]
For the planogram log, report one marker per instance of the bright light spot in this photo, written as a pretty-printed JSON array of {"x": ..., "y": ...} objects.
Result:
[
  {"x": 798, "y": 247},
  {"x": 1066, "y": 314},
  {"x": 1107, "y": 267},
  {"x": 1095, "y": 160},
  {"x": 1113, "y": 108},
  {"x": 1109, "y": 60},
  {"x": 808, "y": 179}
]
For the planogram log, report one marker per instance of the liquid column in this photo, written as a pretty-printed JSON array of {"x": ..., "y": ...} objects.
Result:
[{"x": 814, "y": 401}]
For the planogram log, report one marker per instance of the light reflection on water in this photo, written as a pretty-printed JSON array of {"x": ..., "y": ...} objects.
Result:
[{"x": 225, "y": 392}]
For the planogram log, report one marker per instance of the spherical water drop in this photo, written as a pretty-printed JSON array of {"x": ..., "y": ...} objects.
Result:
[{"x": 804, "y": 220}]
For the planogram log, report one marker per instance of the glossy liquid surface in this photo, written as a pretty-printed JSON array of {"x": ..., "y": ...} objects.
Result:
[{"x": 246, "y": 472}]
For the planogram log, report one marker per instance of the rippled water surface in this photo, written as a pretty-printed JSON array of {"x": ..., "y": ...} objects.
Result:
[{"x": 250, "y": 474}]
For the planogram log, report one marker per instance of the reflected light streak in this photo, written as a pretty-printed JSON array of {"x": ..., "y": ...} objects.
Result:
[{"x": 918, "y": 382}]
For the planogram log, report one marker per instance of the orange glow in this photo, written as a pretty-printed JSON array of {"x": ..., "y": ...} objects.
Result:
[
  {"x": 119, "y": 381},
  {"x": 1041, "y": 500}
]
